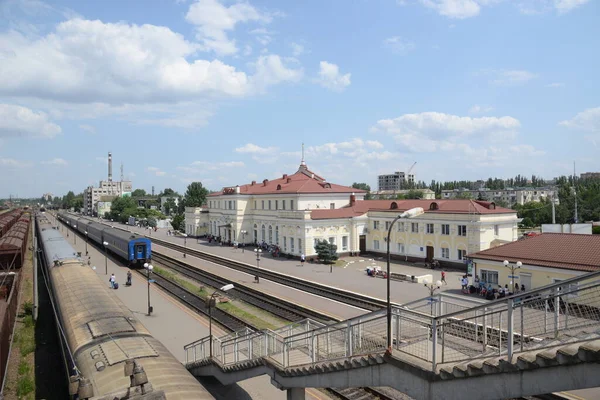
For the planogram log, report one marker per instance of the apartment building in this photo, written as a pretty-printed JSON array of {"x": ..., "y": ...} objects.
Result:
[
  {"x": 396, "y": 181},
  {"x": 511, "y": 196}
]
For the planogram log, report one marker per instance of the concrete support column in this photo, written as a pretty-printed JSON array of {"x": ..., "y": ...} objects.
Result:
[{"x": 296, "y": 394}]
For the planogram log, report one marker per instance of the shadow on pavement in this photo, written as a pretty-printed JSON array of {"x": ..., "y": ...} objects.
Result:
[{"x": 224, "y": 392}]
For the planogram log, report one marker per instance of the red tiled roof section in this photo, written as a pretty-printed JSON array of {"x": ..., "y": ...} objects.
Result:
[
  {"x": 555, "y": 250},
  {"x": 303, "y": 181},
  {"x": 455, "y": 206}
]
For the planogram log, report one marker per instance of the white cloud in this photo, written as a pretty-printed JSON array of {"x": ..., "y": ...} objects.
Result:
[
  {"x": 398, "y": 45},
  {"x": 587, "y": 121},
  {"x": 156, "y": 171},
  {"x": 213, "y": 20},
  {"x": 555, "y": 85},
  {"x": 103, "y": 160},
  {"x": 297, "y": 49},
  {"x": 12, "y": 163},
  {"x": 213, "y": 166},
  {"x": 564, "y": 6},
  {"x": 251, "y": 148},
  {"x": 87, "y": 128},
  {"x": 477, "y": 109},
  {"x": 330, "y": 77},
  {"x": 272, "y": 69},
  {"x": 263, "y": 36},
  {"x": 458, "y": 9},
  {"x": 56, "y": 161},
  {"x": 533, "y": 7},
  {"x": 508, "y": 77},
  {"x": 17, "y": 121}
]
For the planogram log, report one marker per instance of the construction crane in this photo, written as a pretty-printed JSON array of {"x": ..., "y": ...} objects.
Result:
[{"x": 411, "y": 168}]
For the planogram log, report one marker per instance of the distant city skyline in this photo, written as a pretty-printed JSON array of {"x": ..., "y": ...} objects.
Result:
[{"x": 225, "y": 92}]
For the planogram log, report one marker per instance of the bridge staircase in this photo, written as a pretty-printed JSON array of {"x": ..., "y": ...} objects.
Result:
[{"x": 540, "y": 341}]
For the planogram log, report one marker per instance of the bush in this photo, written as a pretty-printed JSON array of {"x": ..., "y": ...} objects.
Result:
[
  {"x": 25, "y": 386},
  {"x": 596, "y": 230},
  {"x": 28, "y": 308}
]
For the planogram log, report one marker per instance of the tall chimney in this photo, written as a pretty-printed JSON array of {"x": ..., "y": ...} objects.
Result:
[
  {"x": 152, "y": 190},
  {"x": 352, "y": 200},
  {"x": 109, "y": 167}
]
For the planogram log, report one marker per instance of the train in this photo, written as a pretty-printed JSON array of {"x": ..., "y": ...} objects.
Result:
[
  {"x": 108, "y": 352},
  {"x": 134, "y": 248}
]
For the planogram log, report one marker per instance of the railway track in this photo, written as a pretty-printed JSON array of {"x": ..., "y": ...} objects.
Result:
[
  {"x": 354, "y": 299},
  {"x": 365, "y": 393},
  {"x": 281, "y": 308}
]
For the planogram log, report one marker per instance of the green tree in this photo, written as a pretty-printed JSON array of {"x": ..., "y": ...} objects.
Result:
[
  {"x": 464, "y": 195},
  {"x": 178, "y": 222},
  {"x": 365, "y": 187},
  {"x": 596, "y": 230},
  {"x": 123, "y": 207},
  {"x": 326, "y": 252},
  {"x": 170, "y": 206},
  {"x": 168, "y": 192},
  {"x": 195, "y": 196},
  {"x": 68, "y": 200},
  {"x": 502, "y": 203},
  {"x": 138, "y": 193},
  {"x": 413, "y": 194}
]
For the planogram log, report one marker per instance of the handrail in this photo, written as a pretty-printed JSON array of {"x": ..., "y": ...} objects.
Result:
[
  {"x": 529, "y": 293},
  {"x": 194, "y": 343},
  {"x": 342, "y": 324}
]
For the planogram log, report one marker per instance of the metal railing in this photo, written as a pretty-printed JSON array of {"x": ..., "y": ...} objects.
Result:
[{"x": 439, "y": 330}]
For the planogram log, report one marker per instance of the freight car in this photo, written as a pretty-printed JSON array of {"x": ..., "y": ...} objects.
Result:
[
  {"x": 13, "y": 244},
  {"x": 108, "y": 353},
  {"x": 134, "y": 248},
  {"x": 7, "y": 220}
]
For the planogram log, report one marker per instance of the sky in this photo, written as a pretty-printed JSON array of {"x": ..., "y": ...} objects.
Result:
[{"x": 225, "y": 92}]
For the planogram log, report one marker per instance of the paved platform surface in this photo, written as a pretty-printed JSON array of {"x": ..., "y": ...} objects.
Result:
[
  {"x": 175, "y": 325},
  {"x": 352, "y": 277}
]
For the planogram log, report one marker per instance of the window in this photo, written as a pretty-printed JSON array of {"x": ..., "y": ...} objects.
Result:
[
  {"x": 445, "y": 252},
  {"x": 387, "y": 226},
  {"x": 263, "y": 204},
  {"x": 263, "y": 231},
  {"x": 270, "y": 234},
  {"x": 496, "y": 230},
  {"x": 376, "y": 244},
  {"x": 400, "y": 226},
  {"x": 445, "y": 229},
  {"x": 277, "y": 235},
  {"x": 489, "y": 276},
  {"x": 414, "y": 226},
  {"x": 292, "y": 245},
  {"x": 332, "y": 206},
  {"x": 300, "y": 246},
  {"x": 461, "y": 254},
  {"x": 291, "y": 204},
  {"x": 284, "y": 243},
  {"x": 344, "y": 243},
  {"x": 462, "y": 230},
  {"x": 376, "y": 225},
  {"x": 315, "y": 242},
  {"x": 277, "y": 204},
  {"x": 283, "y": 204},
  {"x": 400, "y": 247},
  {"x": 331, "y": 240},
  {"x": 269, "y": 204},
  {"x": 255, "y": 205},
  {"x": 429, "y": 229}
]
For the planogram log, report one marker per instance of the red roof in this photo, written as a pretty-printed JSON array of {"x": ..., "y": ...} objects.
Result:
[
  {"x": 555, "y": 250},
  {"x": 454, "y": 206},
  {"x": 303, "y": 181}
]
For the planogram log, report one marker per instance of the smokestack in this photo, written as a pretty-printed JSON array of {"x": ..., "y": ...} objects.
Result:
[
  {"x": 109, "y": 167},
  {"x": 152, "y": 190}
]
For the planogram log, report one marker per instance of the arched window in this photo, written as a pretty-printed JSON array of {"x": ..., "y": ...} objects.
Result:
[
  {"x": 394, "y": 206},
  {"x": 434, "y": 206},
  {"x": 270, "y": 234},
  {"x": 277, "y": 235},
  {"x": 263, "y": 235},
  {"x": 255, "y": 233},
  {"x": 278, "y": 187}
]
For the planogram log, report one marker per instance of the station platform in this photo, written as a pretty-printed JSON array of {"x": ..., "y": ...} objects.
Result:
[
  {"x": 172, "y": 323},
  {"x": 350, "y": 277}
]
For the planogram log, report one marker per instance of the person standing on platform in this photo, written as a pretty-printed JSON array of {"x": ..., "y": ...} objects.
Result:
[
  {"x": 302, "y": 259},
  {"x": 444, "y": 277},
  {"x": 112, "y": 281}
]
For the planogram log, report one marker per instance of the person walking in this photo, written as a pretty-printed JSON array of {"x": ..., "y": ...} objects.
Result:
[
  {"x": 302, "y": 259},
  {"x": 444, "y": 277},
  {"x": 128, "y": 278},
  {"x": 112, "y": 281}
]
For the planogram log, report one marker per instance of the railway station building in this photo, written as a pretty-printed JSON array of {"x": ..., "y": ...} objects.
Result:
[
  {"x": 544, "y": 259},
  {"x": 297, "y": 210}
]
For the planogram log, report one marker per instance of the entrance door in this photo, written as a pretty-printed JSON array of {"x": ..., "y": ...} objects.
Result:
[
  {"x": 525, "y": 280},
  {"x": 362, "y": 244},
  {"x": 429, "y": 253}
]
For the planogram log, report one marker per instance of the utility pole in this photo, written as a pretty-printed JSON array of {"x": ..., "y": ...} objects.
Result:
[{"x": 576, "y": 220}]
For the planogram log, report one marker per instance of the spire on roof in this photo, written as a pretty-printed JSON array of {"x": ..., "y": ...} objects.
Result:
[{"x": 302, "y": 162}]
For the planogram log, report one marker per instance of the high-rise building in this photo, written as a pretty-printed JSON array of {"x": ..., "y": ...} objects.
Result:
[
  {"x": 396, "y": 181},
  {"x": 105, "y": 192}
]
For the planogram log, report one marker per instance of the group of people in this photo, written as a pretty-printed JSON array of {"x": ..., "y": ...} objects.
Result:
[
  {"x": 113, "y": 280},
  {"x": 488, "y": 291}
]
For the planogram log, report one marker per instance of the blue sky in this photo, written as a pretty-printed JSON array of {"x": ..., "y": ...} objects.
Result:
[{"x": 226, "y": 92}]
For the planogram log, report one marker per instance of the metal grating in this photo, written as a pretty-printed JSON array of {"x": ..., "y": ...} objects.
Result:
[
  {"x": 119, "y": 350},
  {"x": 110, "y": 326}
]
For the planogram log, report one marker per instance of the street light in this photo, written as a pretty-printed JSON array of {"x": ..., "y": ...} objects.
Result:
[
  {"x": 243, "y": 239},
  {"x": 75, "y": 234},
  {"x": 86, "y": 242},
  {"x": 257, "y": 251},
  {"x": 184, "y": 243},
  {"x": 105, "y": 258},
  {"x": 432, "y": 288},
  {"x": 211, "y": 304},
  {"x": 512, "y": 267},
  {"x": 413, "y": 212},
  {"x": 149, "y": 269}
]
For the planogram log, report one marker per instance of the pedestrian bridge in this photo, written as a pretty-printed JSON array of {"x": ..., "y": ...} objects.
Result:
[{"x": 541, "y": 341}]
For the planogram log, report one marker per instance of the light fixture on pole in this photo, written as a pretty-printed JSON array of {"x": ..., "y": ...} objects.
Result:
[
  {"x": 86, "y": 242},
  {"x": 243, "y": 239},
  {"x": 105, "y": 257},
  {"x": 184, "y": 244},
  {"x": 75, "y": 234},
  {"x": 257, "y": 251},
  {"x": 432, "y": 288},
  {"x": 413, "y": 212},
  {"x": 512, "y": 267},
  {"x": 149, "y": 269},
  {"x": 211, "y": 304}
]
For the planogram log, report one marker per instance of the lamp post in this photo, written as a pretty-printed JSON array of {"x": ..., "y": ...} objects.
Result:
[
  {"x": 149, "y": 269},
  {"x": 75, "y": 234},
  {"x": 86, "y": 242},
  {"x": 243, "y": 239},
  {"x": 432, "y": 288},
  {"x": 413, "y": 212},
  {"x": 257, "y": 251},
  {"x": 512, "y": 267},
  {"x": 105, "y": 257},
  {"x": 184, "y": 244},
  {"x": 211, "y": 304}
]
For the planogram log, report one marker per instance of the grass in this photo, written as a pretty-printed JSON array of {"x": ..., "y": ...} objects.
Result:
[{"x": 247, "y": 313}]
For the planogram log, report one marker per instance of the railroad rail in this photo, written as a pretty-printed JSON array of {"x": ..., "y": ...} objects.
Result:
[
  {"x": 354, "y": 299},
  {"x": 281, "y": 308}
]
